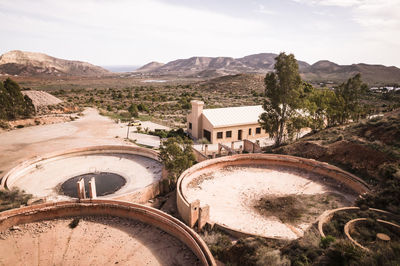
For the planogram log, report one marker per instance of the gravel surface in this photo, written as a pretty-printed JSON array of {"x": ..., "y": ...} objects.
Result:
[
  {"x": 41, "y": 98},
  {"x": 94, "y": 241},
  {"x": 232, "y": 193}
]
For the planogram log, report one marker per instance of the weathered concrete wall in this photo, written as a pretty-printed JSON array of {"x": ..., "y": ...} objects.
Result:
[
  {"x": 327, "y": 216},
  {"x": 199, "y": 156},
  {"x": 138, "y": 196},
  {"x": 342, "y": 177},
  {"x": 251, "y": 147},
  {"x": 138, "y": 212},
  {"x": 204, "y": 216},
  {"x": 349, "y": 226}
]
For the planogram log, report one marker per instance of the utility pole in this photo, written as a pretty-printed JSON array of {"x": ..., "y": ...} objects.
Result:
[{"x": 127, "y": 133}]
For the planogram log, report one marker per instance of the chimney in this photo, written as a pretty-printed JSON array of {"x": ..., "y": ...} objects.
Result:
[{"x": 197, "y": 110}]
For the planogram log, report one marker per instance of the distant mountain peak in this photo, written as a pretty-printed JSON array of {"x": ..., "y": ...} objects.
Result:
[
  {"x": 18, "y": 62},
  {"x": 202, "y": 66},
  {"x": 149, "y": 67}
]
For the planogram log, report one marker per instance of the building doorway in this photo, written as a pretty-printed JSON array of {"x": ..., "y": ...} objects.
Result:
[
  {"x": 207, "y": 135},
  {"x": 240, "y": 134}
]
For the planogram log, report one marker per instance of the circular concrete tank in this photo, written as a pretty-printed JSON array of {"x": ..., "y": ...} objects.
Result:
[
  {"x": 138, "y": 171},
  {"x": 234, "y": 186},
  {"x": 97, "y": 232}
]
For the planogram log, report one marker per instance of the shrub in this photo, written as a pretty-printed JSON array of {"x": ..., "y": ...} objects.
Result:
[
  {"x": 74, "y": 223},
  {"x": 10, "y": 199},
  {"x": 343, "y": 253},
  {"x": 327, "y": 241}
]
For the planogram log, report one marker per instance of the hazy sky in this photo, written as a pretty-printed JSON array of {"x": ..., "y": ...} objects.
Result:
[{"x": 135, "y": 32}]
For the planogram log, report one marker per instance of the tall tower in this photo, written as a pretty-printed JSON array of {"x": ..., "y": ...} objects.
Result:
[{"x": 197, "y": 110}]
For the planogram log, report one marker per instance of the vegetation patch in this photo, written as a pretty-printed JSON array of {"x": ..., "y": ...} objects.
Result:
[
  {"x": 13, "y": 104},
  {"x": 10, "y": 199},
  {"x": 365, "y": 233},
  {"x": 298, "y": 208}
]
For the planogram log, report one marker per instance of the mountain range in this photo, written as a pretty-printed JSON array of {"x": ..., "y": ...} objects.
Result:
[
  {"x": 321, "y": 71},
  {"x": 30, "y": 64}
]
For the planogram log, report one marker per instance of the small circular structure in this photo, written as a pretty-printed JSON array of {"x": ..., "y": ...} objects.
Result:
[
  {"x": 382, "y": 237},
  {"x": 350, "y": 225},
  {"x": 97, "y": 232},
  {"x": 106, "y": 183},
  {"x": 123, "y": 172},
  {"x": 233, "y": 186}
]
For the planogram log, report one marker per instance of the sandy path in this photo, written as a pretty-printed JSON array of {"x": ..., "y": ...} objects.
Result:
[
  {"x": 95, "y": 241},
  {"x": 231, "y": 192},
  {"x": 91, "y": 129}
]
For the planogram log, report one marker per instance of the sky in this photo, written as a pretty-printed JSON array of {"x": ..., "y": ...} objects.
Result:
[{"x": 136, "y": 32}]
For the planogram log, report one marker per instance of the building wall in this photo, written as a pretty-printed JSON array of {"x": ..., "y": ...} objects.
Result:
[
  {"x": 235, "y": 134},
  {"x": 194, "y": 118},
  {"x": 199, "y": 123}
]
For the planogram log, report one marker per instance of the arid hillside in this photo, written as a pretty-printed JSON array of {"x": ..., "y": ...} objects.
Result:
[
  {"x": 321, "y": 71},
  {"x": 370, "y": 149},
  {"x": 28, "y": 63}
]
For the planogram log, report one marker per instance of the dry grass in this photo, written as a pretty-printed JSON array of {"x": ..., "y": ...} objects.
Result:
[{"x": 298, "y": 208}]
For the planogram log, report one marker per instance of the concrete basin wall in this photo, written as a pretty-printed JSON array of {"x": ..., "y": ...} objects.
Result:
[
  {"x": 121, "y": 209},
  {"x": 327, "y": 216},
  {"x": 188, "y": 213},
  {"x": 139, "y": 196}
]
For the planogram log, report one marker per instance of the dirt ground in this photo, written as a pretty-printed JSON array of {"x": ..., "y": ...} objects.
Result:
[
  {"x": 40, "y": 98},
  {"x": 88, "y": 130},
  {"x": 233, "y": 192},
  {"x": 94, "y": 241}
]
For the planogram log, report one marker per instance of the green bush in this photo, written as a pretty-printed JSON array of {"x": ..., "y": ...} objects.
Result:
[
  {"x": 327, "y": 241},
  {"x": 13, "y": 104}
]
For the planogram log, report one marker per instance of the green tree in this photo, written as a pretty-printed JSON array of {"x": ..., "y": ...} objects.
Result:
[
  {"x": 283, "y": 89},
  {"x": 13, "y": 104},
  {"x": 348, "y": 95},
  {"x": 133, "y": 110},
  {"x": 177, "y": 155},
  {"x": 143, "y": 108}
]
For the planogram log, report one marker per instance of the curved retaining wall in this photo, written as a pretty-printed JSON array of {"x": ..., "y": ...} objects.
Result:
[
  {"x": 350, "y": 225},
  {"x": 141, "y": 196},
  {"x": 189, "y": 212},
  {"x": 122, "y": 209},
  {"x": 328, "y": 215}
]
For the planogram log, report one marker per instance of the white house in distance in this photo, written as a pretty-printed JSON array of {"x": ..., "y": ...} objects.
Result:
[{"x": 224, "y": 124}]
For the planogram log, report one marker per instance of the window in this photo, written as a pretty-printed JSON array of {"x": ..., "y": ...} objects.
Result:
[
  {"x": 258, "y": 130},
  {"x": 228, "y": 134},
  {"x": 190, "y": 125},
  {"x": 219, "y": 135},
  {"x": 249, "y": 131},
  {"x": 207, "y": 134}
]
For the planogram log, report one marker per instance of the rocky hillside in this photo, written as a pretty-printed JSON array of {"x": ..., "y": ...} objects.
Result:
[
  {"x": 216, "y": 66},
  {"x": 150, "y": 67},
  {"x": 321, "y": 71},
  {"x": 30, "y": 64},
  {"x": 368, "y": 148},
  {"x": 239, "y": 83},
  {"x": 324, "y": 70}
]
